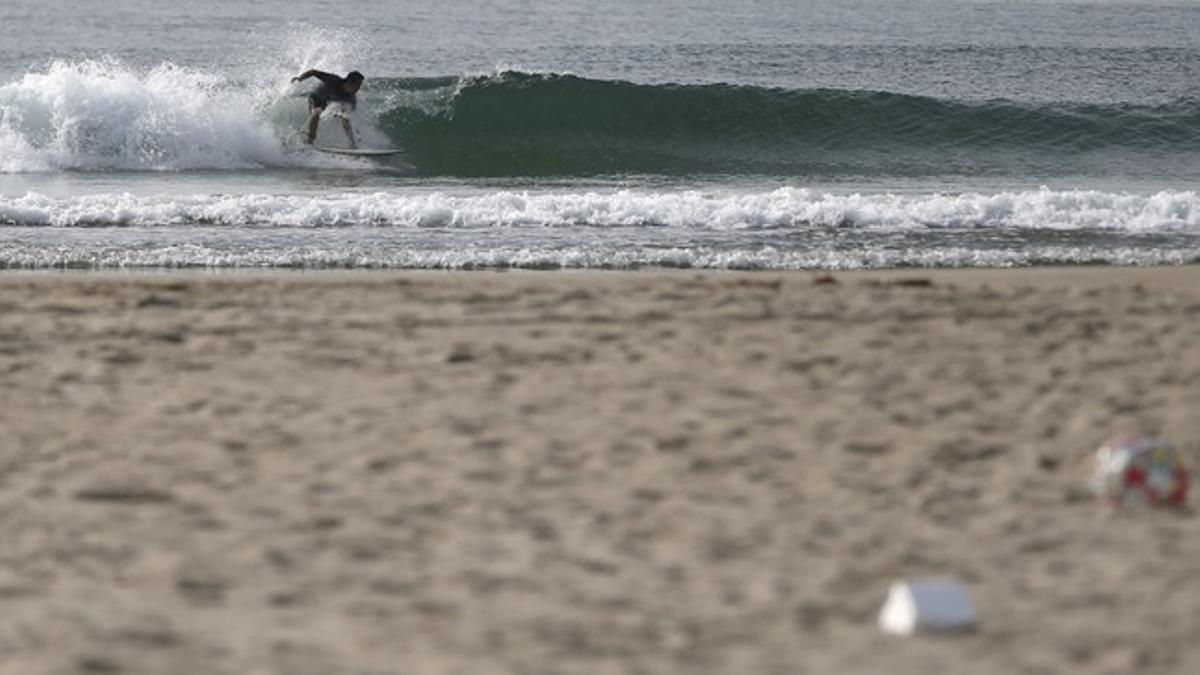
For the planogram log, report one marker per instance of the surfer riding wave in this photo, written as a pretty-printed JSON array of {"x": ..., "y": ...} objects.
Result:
[{"x": 333, "y": 89}]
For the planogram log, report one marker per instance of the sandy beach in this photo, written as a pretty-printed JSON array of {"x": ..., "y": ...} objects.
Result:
[{"x": 659, "y": 472}]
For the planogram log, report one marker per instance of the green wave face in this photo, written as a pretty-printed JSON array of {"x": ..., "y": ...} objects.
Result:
[{"x": 517, "y": 123}]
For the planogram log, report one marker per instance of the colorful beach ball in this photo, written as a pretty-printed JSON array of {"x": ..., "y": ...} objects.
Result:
[{"x": 1134, "y": 472}]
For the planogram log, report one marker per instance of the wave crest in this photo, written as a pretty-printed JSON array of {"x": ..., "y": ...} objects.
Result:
[{"x": 521, "y": 123}]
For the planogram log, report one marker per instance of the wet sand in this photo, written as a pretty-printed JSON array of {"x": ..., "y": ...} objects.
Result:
[{"x": 587, "y": 473}]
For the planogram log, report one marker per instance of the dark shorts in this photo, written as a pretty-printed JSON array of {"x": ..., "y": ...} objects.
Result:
[{"x": 315, "y": 100}]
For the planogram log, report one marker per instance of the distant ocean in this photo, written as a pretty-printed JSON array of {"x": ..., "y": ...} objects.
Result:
[{"x": 620, "y": 135}]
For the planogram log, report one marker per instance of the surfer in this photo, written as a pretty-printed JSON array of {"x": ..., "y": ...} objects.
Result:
[{"x": 333, "y": 89}]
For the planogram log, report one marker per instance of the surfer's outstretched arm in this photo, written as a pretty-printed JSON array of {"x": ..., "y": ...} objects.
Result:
[{"x": 320, "y": 75}]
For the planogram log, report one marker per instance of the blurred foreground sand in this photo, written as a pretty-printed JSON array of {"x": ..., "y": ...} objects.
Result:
[{"x": 587, "y": 473}]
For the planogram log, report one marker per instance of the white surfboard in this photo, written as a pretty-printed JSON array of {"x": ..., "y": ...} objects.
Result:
[{"x": 361, "y": 152}]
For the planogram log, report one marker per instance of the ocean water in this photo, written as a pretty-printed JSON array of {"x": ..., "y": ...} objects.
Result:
[{"x": 744, "y": 134}]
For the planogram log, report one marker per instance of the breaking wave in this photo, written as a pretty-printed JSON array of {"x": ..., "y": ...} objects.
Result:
[
  {"x": 101, "y": 115},
  {"x": 521, "y": 123}
]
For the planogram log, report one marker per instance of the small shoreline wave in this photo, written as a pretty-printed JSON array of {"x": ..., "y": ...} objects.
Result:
[{"x": 779, "y": 209}]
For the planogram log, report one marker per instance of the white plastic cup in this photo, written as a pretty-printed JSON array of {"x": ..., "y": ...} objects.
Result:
[{"x": 927, "y": 605}]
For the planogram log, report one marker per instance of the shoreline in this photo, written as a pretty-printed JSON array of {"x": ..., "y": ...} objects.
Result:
[{"x": 1040, "y": 274}]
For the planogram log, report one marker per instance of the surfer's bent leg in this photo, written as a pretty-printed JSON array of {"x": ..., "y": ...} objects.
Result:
[
  {"x": 349, "y": 132},
  {"x": 316, "y": 106}
]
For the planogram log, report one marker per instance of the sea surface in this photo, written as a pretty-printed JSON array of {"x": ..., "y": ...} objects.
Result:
[{"x": 745, "y": 134}]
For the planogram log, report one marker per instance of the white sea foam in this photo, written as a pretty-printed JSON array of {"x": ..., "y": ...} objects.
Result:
[
  {"x": 328, "y": 253},
  {"x": 785, "y": 208},
  {"x": 104, "y": 115}
]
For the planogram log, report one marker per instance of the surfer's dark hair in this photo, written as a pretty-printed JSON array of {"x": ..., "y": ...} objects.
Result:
[{"x": 355, "y": 76}]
